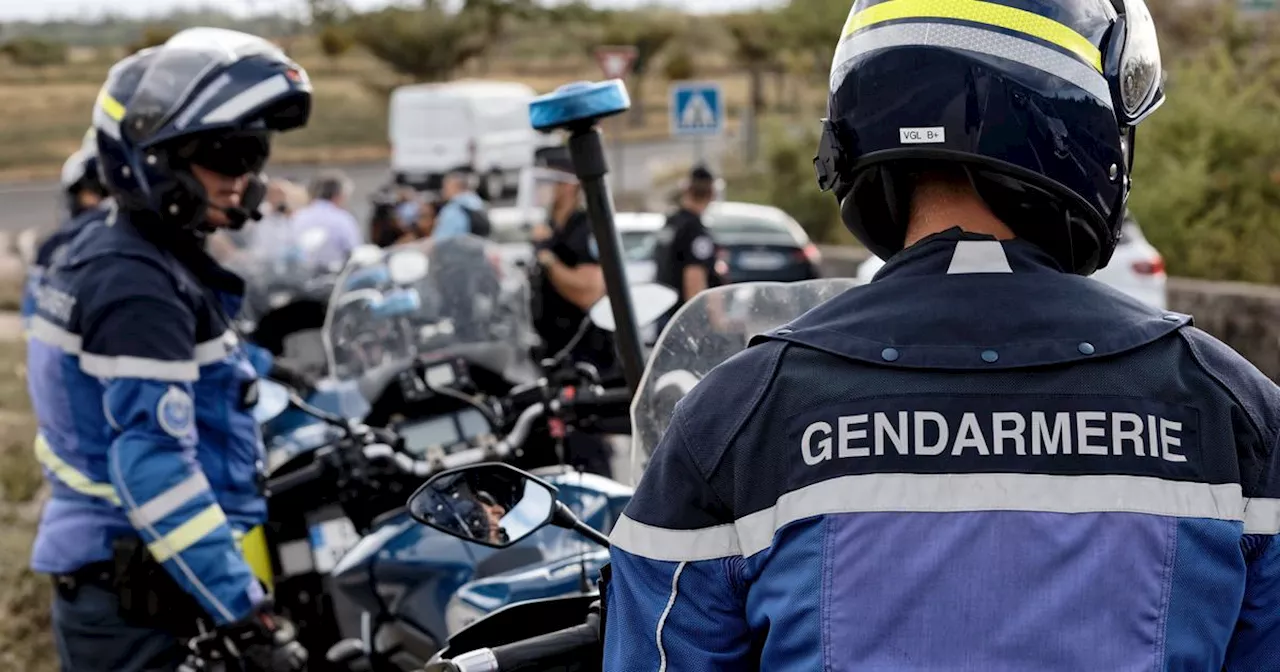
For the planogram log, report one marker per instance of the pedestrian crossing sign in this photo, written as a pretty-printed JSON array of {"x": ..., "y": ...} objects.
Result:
[{"x": 697, "y": 108}]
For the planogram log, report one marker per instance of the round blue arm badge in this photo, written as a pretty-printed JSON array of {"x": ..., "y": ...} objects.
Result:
[
  {"x": 176, "y": 413},
  {"x": 593, "y": 247}
]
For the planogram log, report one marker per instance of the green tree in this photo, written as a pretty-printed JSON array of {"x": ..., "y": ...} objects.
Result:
[
  {"x": 679, "y": 65},
  {"x": 35, "y": 52},
  {"x": 759, "y": 42},
  {"x": 427, "y": 44},
  {"x": 1207, "y": 180},
  {"x": 335, "y": 40},
  {"x": 785, "y": 179},
  {"x": 649, "y": 32},
  {"x": 495, "y": 16},
  {"x": 327, "y": 12},
  {"x": 814, "y": 28}
]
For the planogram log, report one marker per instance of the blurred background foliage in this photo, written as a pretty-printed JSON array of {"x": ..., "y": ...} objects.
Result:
[{"x": 1207, "y": 180}]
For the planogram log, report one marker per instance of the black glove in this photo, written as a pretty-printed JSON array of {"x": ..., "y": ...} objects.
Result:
[
  {"x": 267, "y": 642},
  {"x": 300, "y": 382}
]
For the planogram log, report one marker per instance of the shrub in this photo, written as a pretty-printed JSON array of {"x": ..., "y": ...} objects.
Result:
[
  {"x": 35, "y": 52},
  {"x": 1205, "y": 187},
  {"x": 335, "y": 40},
  {"x": 785, "y": 178}
]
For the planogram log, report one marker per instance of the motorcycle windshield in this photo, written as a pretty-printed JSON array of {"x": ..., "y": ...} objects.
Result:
[
  {"x": 279, "y": 268},
  {"x": 714, "y": 326},
  {"x": 429, "y": 300}
]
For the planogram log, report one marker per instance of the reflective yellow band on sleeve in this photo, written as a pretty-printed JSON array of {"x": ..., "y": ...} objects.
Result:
[
  {"x": 185, "y": 535},
  {"x": 986, "y": 13},
  {"x": 110, "y": 105},
  {"x": 70, "y": 476}
]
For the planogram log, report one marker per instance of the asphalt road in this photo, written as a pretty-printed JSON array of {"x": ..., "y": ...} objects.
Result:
[{"x": 24, "y": 205}]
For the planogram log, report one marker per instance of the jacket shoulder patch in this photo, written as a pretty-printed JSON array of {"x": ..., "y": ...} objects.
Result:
[{"x": 176, "y": 413}]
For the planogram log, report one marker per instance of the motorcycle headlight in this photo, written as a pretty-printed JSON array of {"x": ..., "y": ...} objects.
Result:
[{"x": 459, "y": 614}]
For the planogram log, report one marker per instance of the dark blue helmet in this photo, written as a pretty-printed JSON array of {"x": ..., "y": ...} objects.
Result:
[
  {"x": 207, "y": 97},
  {"x": 80, "y": 174},
  {"x": 1036, "y": 100}
]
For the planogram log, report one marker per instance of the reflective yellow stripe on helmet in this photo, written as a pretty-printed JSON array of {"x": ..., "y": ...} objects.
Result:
[
  {"x": 986, "y": 13},
  {"x": 110, "y": 105},
  {"x": 69, "y": 476},
  {"x": 253, "y": 546}
]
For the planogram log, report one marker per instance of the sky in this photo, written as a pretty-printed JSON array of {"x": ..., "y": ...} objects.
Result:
[{"x": 40, "y": 10}]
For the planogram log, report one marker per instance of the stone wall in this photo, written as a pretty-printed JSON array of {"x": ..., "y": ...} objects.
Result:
[{"x": 1247, "y": 317}]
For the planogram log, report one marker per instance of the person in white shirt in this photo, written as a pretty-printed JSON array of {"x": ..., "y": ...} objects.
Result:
[{"x": 327, "y": 212}]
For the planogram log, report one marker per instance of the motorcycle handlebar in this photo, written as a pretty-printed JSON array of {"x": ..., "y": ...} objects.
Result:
[
  {"x": 532, "y": 654},
  {"x": 282, "y": 484}
]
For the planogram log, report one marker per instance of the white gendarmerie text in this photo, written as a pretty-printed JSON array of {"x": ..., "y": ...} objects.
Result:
[{"x": 928, "y": 434}]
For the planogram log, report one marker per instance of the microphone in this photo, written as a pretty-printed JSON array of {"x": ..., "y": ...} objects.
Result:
[{"x": 240, "y": 216}]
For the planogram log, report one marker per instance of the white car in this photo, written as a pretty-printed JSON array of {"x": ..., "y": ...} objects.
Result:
[
  {"x": 511, "y": 228},
  {"x": 1137, "y": 269}
]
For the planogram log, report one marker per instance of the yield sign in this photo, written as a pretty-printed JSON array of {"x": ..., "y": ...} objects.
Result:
[{"x": 615, "y": 61}]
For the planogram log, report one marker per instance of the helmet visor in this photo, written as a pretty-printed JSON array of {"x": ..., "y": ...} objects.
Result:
[
  {"x": 1140, "y": 68},
  {"x": 231, "y": 154}
]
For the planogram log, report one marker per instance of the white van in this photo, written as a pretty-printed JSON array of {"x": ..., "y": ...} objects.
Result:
[{"x": 478, "y": 125}]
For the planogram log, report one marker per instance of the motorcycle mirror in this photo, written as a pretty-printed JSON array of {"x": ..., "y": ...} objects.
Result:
[
  {"x": 405, "y": 267},
  {"x": 492, "y": 504},
  {"x": 651, "y": 300},
  {"x": 273, "y": 399}
]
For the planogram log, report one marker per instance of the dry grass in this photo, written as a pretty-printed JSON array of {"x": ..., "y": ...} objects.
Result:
[
  {"x": 25, "y": 640},
  {"x": 47, "y": 110}
]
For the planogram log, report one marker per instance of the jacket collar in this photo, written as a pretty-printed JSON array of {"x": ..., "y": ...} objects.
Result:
[{"x": 964, "y": 301}]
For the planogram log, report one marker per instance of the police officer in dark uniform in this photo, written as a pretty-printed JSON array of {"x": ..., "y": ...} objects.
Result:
[
  {"x": 686, "y": 253},
  {"x": 569, "y": 283},
  {"x": 571, "y": 280},
  {"x": 982, "y": 459}
]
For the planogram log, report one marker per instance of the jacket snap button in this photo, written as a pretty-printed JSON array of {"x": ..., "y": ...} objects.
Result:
[
  {"x": 1085, "y": 348},
  {"x": 990, "y": 356},
  {"x": 889, "y": 355},
  {"x": 1171, "y": 317}
]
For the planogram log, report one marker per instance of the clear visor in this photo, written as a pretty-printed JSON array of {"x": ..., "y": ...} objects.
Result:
[
  {"x": 1140, "y": 67},
  {"x": 165, "y": 86},
  {"x": 179, "y": 66}
]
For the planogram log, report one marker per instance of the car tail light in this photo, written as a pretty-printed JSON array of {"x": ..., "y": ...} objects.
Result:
[
  {"x": 810, "y": 254},
  {"x": 1154, "y": 266}
]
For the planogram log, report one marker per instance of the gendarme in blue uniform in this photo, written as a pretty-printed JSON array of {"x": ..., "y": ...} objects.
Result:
[
  {"x": 143, "y": 397},
  {"x": 1017, "y": 469},
  {"x": 51, "y": 250}
]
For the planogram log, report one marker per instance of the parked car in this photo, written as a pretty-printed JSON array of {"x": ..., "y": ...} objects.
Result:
[
  {"x": 761, "y": 243},
  {"x": 1137, "y": 269}
]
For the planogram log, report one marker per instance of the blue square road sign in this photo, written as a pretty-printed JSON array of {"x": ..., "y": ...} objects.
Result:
[{"x": 697, "y": 108}]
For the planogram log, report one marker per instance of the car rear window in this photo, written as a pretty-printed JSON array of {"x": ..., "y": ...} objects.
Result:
[
  {"x": 638, "y": 245},
  {"x": 729, "y": 228}
]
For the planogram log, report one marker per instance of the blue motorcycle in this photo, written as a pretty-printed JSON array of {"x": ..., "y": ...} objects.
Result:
[{"x": 436, "y": 383}]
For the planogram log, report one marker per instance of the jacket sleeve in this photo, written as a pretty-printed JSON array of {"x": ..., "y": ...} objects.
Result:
[
  {"x": 676, "y": 600},
  {"x": 452, "y": 221},
  {"x": 260, "y": 357},
  {"x": 140, "y": 342},
  {"x": 1256, "y": 642}
]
